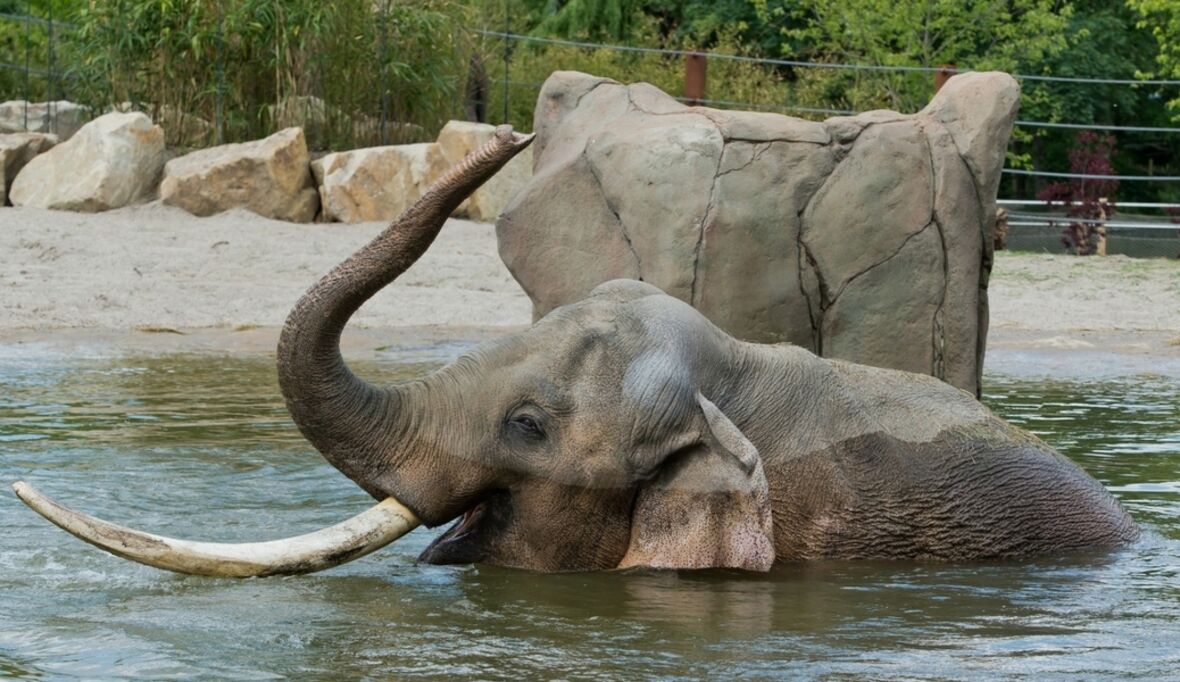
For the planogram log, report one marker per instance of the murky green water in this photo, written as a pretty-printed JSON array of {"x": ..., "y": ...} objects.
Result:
[{"x": 200, "y": 447}]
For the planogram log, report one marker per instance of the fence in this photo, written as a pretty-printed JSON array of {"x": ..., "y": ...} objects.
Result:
[
  {"x": 1150, "y": 229},
  {"x": 211, "y": 75}
]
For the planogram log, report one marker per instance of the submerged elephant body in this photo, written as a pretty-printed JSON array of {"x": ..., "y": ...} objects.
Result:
[
  {"x": 627, "y": 430},
  {"x": 801, "y": 458}
]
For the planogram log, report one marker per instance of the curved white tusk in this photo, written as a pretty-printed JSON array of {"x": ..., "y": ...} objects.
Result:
[{"x": 366, "y": 532}]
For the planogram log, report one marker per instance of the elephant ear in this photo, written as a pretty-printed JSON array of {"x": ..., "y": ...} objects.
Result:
[{"x": 707, "y": 507}]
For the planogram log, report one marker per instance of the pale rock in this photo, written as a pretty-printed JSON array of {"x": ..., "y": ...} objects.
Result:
[
  {"x": 458, "y": 139},
  {"x": 270, "y": 177},
  {"x": 376, "y": 183},
  {"x": 113, "y": 161},
  {"x": 61, "y": 118},
  {"x": 16, "y": 150}
]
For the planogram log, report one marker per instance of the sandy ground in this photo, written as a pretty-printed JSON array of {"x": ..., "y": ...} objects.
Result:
[
  {"x": 157, "y": 266},
  {"x": 131, "y": 278}
]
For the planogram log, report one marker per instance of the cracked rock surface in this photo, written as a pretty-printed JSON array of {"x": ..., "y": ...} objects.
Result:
[{"x": 866, "y": 238}]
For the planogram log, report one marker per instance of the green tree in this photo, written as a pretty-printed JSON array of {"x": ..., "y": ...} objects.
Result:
[
  {"x": 352, "y": 72},
  {"x": 592, "y": 19},
  {"x": 1162, "y": 18},
  {"x": 28, "y": 68},
  {"x": 1104, "y": 41},
  {"x": 1008, "y": 35}
]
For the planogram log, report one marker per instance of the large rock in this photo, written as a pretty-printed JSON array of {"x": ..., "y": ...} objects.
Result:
[
  {"x": 60, "y": 118},
  {"x": 866, "y": 238},
  {"x": 458, "y": 139},
  {"x": 271, "y": 177},
  {"x": 113, "y": 161},
  {"x": 16, "y": 150},
  {"x": 376, "y": 183}
]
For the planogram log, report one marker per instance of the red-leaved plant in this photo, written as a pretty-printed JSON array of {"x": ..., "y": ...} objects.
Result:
[{"x": 1090, "y": 202}]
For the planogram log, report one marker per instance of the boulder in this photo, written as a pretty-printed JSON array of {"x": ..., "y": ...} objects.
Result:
[
  {"x": 16, "y": 150},
  {"x": 113, "y": 161},
  {"x": 376, "y": 183},
  {"x": 866, "y": 238},
  {"x": 458, "y": 139},
  {"x": 61, "y": 118},
  {"x": 270, "y": 177}
]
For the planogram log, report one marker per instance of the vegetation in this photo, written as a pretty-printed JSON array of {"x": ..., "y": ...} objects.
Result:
[
  {"x": 1075, "y": 38},
  {"x": 27, "y": 43},
  {"x": 353, "y": 72},
  {"x": 1087, "y": 201},
  {"x": 359, "y": 72}
]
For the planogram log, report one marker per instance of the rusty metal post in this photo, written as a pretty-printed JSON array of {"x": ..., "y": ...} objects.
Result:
[
  {"x": 942, "y": 75},
  {"x": 694, "y": 77}
]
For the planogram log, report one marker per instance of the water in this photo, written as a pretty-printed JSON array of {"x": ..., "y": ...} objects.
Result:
[{"x": 199, "y": 446}]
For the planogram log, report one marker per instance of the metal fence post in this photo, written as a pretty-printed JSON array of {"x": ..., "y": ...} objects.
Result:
[
  {"x": 382, "y": 25},
  {"x": 28, "y": 48},
  {"x": 507, "y": 52},
  {"x": 694, "y": 77},
  {"x": 942, "y": 75},
  {"x": 51, "y": 87},
  {"x": 218, "y": 108}
]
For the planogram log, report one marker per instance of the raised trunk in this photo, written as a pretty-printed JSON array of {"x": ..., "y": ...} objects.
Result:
[{"x": 350, "y": 421}]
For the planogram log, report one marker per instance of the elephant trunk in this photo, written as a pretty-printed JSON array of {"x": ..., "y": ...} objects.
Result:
[
  {"x": 353, "y": 423},
  {"x": 356, "y": 425}
]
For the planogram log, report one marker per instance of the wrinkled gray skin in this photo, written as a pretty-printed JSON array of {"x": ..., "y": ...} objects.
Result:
[{"x": 626, "y": 429}]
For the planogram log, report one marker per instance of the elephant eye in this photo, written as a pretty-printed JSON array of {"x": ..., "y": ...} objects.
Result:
[{"x": 528, "y": 426}]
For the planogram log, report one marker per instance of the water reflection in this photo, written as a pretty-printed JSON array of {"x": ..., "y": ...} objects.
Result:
[{"x": 200, "y": 446}]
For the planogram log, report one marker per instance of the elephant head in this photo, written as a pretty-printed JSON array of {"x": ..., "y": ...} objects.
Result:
[{"x": 596, "y": 439}]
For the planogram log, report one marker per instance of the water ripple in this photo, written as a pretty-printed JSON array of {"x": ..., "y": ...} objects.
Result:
[{"x": 200, "y": 446}]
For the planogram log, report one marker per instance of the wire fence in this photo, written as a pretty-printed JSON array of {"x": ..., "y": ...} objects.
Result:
[
  {"x": 286, "y": 78},
  {"x": 30, "y": 72}
]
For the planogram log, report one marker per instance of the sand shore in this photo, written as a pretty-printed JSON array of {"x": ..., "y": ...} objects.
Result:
[{"x": 154, "y": 278}]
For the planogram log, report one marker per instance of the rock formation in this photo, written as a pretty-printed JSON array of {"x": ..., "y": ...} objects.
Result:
[
  {"x": 113, "y": 161},
  {"x": 375, "y": 183},
  {"x": 456, "y": 140},
  {"x": 16, "y": 150},
  {"x": 61, "y": 118},
  {"x": 866, "y": 238},
  {"x": 378, "y": 183},
  {"x": 270, "y": 177}
]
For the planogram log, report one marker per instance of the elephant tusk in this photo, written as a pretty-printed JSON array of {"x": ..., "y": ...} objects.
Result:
[{"x": 364, "y": 533}]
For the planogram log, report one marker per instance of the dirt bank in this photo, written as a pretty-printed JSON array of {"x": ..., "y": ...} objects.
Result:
[
  {"x": 156, "y": 266},
  {"x": 129, "y": 278}
]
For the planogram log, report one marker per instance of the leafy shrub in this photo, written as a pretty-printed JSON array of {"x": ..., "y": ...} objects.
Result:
[{"x": 354, "y": 72}]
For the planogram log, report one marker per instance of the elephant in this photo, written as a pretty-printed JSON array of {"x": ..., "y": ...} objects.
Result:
[{"x": 626, "y": 430}]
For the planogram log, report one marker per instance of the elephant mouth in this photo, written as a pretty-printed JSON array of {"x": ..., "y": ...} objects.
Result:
[{"x": 469, "y": 537}]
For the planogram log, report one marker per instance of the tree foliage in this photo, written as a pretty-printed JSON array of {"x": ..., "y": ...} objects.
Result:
[
  {"x": 1162, "y": 18},
  {"x": 1006, "y": 35},
  {"x": 407, "y": 65}
]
